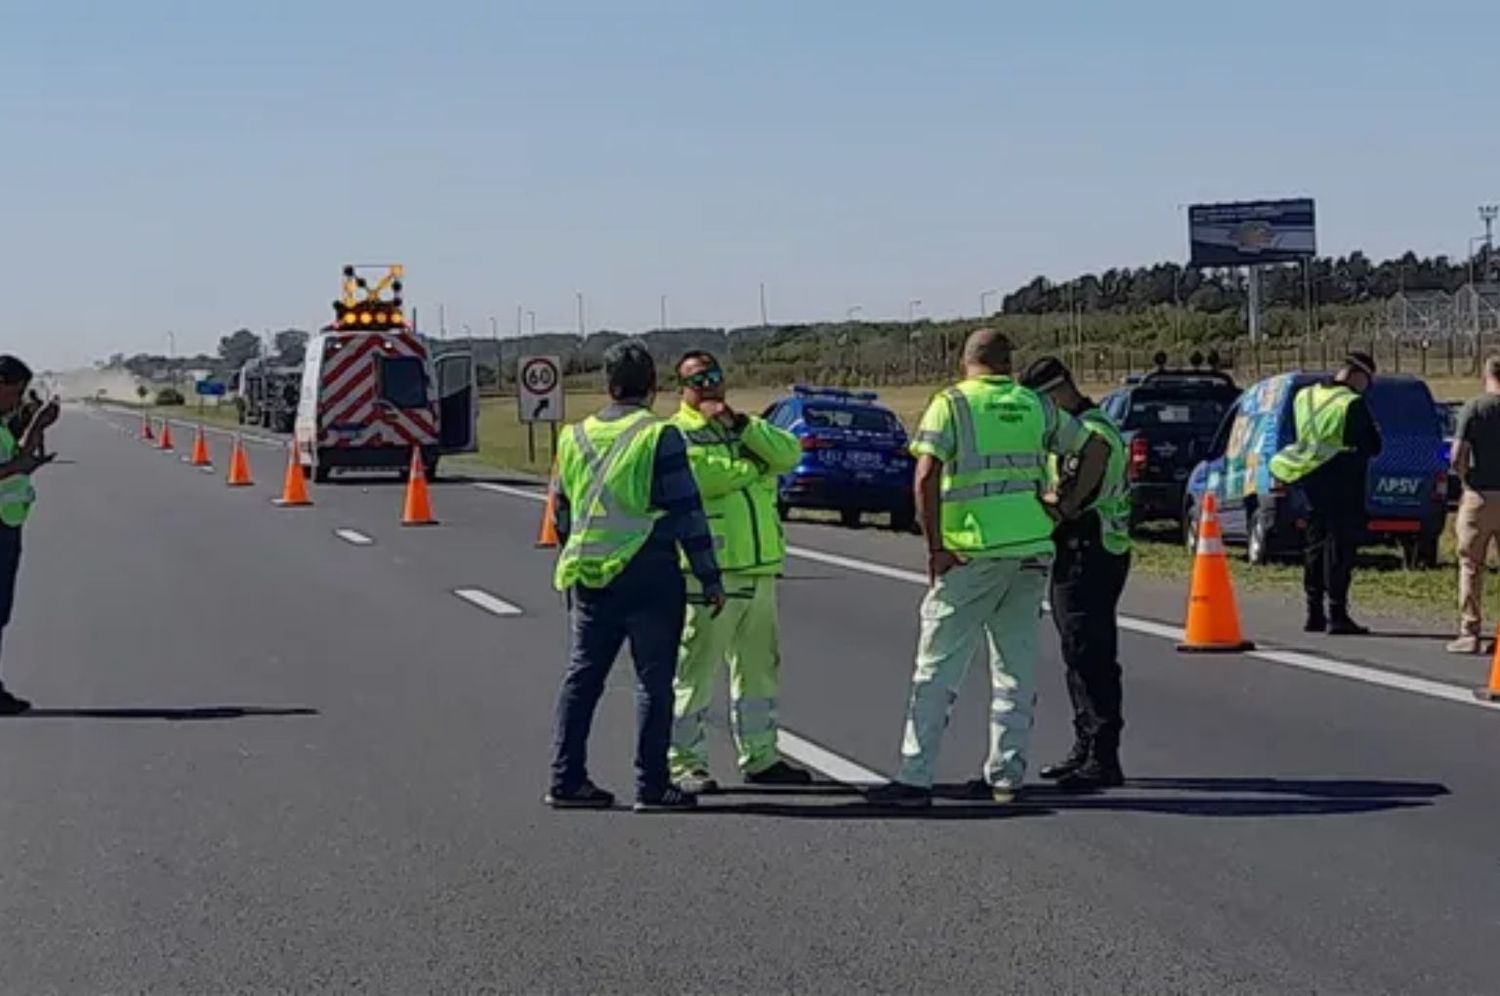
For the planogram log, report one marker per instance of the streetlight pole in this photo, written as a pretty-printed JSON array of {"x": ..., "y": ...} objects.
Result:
[
  {"x": 663, "y": 325},
  {"x": 531, "y": 317},
  {"x": 849, "y": 314},
  {"x": 911, "y": 309},
  {"x": 983, "y": 297},
  {"x": 499, "y": 353},
  {"x": 172, "y": 356},
  {"x": 581, "y": 333},
  {"x": 763, "y": 322}
]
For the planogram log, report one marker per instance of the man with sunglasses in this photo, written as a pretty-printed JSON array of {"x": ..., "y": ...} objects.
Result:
[{"x": 736, "y": 459}]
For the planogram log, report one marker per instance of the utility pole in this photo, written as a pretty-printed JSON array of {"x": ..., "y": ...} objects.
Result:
[
  {"x": 1487, "y": 214},
  {"x": 911, "y": 310},
  {"x": 518, "y": 321},
  {"x": 763, "y": 322},
  {"x": 531, "y": 317},
  {"x": 663, "y": 325},
  {"x": 581, "y": 333},
  {"x": 499, "y": 354},
  {"x": 442, "y": 322}
]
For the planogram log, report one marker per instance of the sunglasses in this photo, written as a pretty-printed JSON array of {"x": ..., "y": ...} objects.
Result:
[{"x": 711, "y": 377}]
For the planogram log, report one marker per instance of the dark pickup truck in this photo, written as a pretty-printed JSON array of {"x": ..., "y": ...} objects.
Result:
[{"x": 1168, "y": 419}]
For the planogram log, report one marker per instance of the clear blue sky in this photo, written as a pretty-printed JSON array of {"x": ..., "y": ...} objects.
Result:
[{"x": 198, "y": 166}]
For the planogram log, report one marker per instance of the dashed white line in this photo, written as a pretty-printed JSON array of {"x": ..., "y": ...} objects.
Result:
[
  {"x": 1146, "y": 627},
  {"x": 840, "y": 769},
  {"x": 493, "y": 604},
  {"x": 353, "y": 536}
]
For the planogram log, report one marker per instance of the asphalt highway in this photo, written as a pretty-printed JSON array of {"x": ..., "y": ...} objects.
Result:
[{"x": 284, "y": 750}]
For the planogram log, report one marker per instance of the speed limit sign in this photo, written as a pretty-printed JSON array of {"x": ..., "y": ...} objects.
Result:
[{"x": 539, "y": 388}]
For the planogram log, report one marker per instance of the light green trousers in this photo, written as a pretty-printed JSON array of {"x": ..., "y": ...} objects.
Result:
[
  {"x": 745, "y": 636},
  {"x": 999, "y": 600}
]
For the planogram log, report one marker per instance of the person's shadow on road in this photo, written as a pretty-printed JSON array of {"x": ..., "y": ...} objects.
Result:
[
  {"x": 168, "y": 714},
  {"x": 1231, "y": 797}
]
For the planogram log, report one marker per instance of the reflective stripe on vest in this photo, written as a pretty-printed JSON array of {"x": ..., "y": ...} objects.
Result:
[
  {"x": 16, "y": 492},
  {"x": 1318, "y": 413},
  {"x": 991, "y": 489},
  {"x": 605, "y": 532},
  {"x": 1113, "y": 502}
]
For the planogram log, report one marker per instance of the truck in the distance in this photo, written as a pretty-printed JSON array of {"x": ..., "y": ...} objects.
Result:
[
  {"x": 267, "y": 394},
  {"x": 371, "y": 391}
]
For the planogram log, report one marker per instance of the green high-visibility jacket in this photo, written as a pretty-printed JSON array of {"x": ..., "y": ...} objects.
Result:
[
  {"x": 16, "y": 493},
  {"x": 736, "y": 471},
  {"x": 1319, "y": 412},
  {"x": 605, "y": 469}
]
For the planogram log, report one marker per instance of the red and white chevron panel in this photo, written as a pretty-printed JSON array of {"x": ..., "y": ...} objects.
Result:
[{"x": 350, "y": 387}]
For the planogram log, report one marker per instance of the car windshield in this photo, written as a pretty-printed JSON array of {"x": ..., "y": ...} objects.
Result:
[
  {"x": 861, "y": 419},
  {"x": 1202, "y": 413}
]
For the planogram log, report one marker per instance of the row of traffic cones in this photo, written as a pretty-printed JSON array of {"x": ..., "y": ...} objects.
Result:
[{"x": 416, "y": 509}]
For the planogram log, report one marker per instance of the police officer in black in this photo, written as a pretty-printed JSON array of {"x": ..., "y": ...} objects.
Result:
[{"x": 1088, "y": 577}]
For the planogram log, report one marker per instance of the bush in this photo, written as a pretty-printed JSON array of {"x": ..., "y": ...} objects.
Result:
[{"x": 169, "y": 396}]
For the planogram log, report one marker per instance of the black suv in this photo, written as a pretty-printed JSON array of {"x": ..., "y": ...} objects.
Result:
[{"x": 1168, "y": 419}]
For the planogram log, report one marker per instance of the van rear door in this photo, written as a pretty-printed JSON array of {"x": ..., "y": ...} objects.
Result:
[
  {"x": 1403, "y": 478},
  {"x": 458, "y": 403}
]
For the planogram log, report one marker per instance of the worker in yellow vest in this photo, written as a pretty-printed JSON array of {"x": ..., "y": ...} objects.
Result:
[
  {"x": 982, "y": 450},
  {"x": 1328, "y": 462},
  {"x": 626, "y": 503},
  {"x": 20, "y": 455},
  {"x": 736, "y": 460},
  {"x": 1088, "y": 577}
]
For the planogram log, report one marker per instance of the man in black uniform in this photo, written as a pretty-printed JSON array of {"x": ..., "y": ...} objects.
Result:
[
  {"x": 1334, "y": 487},
  {"x": 1088, "y": 576}
]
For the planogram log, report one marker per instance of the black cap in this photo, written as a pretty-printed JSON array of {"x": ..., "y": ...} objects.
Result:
[
  {"x": 1045, "y": 374},
  {"x": 1363, "y": 362}
]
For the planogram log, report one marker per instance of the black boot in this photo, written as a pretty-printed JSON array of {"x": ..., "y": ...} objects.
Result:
[
  {"x": 1316, "y": 622},
  {"x": 1076, "y": 759},
  {"x": 12, "y": 705},
  {"x": 1098, "y": 772},
  {"x": 1339, "y": 624}
]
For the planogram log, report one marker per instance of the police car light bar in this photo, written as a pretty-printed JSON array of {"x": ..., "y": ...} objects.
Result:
[{"x": 833, "y": 392}]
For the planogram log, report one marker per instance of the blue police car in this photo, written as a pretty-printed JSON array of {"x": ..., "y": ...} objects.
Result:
[{"x": 854, "y": 457}]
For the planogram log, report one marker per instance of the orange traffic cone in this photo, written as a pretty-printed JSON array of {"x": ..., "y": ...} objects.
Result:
[
  {"x": 418, "y": 510},
  {"x": 547, "y": 539},
  {"x": 146, "y": 432},
  {"x": 200, "y": 457},
  {"x": 1213, "y": 621},
  {"x": 239, "y": 465},
  {"x": 165, "y": 442},
  {"x": 294, "y": 488},
  {"x": 1491, "y": 692}
]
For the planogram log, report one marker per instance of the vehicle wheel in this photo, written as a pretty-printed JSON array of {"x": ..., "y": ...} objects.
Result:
[
  {"x": 849, "y": 518},
  {"x": 1419, "y": 553},
  {"x": 1258, "y": 544},
  {"x": 1190, "y": 525}
]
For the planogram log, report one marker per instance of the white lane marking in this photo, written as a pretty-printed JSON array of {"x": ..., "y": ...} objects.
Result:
[
  {"x": 489, "y": 603},
  {"x": 863, "y": 566},
  {"x": 1147, "y": 627},
  {"x": 353, "y": 536},
  {"x": 825, "y": 761},
  {"x": 1373, "y": 676},
  {"x": 506, "y": 489}
]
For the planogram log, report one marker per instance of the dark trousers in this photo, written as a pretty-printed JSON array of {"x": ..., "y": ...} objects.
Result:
[
  {"x": 10, "y": 566},
  {"x": 1086, "y": 584},
  {"x": 1328, "y": 567},
  {"x": 645, "y": 606}
]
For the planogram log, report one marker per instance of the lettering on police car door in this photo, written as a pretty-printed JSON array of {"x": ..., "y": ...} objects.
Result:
[{"x": 1398, "y": 486}]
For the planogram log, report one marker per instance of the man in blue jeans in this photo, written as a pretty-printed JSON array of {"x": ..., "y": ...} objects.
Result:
[{"x": 625, "y": 501}]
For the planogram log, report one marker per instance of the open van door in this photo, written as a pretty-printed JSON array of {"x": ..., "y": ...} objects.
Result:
[{"x": 458, "y": 403}]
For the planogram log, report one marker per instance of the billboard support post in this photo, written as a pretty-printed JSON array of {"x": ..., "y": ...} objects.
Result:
[{"x": 1253, "y": 302}]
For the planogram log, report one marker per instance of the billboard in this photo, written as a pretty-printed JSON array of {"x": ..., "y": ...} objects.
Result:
[{"x": 1251, "y": 233}]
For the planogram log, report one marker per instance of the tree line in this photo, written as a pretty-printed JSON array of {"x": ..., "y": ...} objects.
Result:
[{"x": 1343, "y": 280}]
